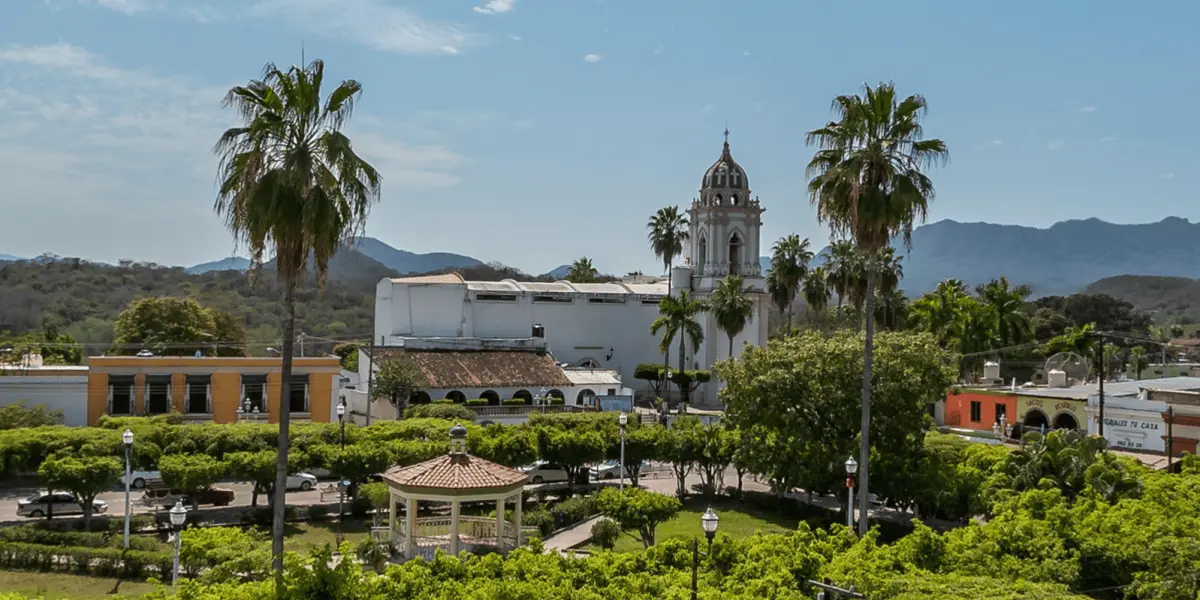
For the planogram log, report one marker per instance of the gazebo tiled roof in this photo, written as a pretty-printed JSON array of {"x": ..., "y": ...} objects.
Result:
[{"x": 457, "y": 472}]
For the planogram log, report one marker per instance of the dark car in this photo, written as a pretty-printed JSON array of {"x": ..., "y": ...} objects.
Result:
[{"x": 161, "y": 497}]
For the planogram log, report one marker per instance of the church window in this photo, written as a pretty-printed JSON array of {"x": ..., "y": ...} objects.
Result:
[
  {"x": 717, "y": 200},
  {"x": 702, "y": 256},
  {"x": 735, "y": 254},
  {"x": 733, "y": 200}
]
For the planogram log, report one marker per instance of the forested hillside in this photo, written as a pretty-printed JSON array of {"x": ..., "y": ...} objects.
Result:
[{"x": 1167, "y": 299}]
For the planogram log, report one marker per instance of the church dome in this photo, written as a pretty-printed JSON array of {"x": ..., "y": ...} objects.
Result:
[{"x": 725, "y": 173}]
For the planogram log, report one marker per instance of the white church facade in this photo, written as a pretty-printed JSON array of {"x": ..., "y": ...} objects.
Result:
[{"x": 596, "y": 325}]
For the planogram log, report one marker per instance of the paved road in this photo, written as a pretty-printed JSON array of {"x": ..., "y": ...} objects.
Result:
[{"x": 116, "y": 499}]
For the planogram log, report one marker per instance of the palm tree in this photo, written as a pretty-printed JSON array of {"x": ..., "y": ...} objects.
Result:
[
  {"x": 890, "y": 270},
  {"x": 677, "y": 317},
  {"x": 731, "y": 306},
  {"x": 668, "y": 232},
  {"x": 938, "y": 311},
  {"x": 292, "y": 185},
  {"x": 789, "y": 265},
  {"x": 891, "y": 309},
  {"x": 868, "y": 185},
  {"x": 778, "y": 292},
  {"x": 816, "y": 289},
  {"x": 1005, "y": 305},
  {"x": 582, "y": 271},
  {"x": 1138, "y": 361},
  {"x": 839, "y": 268}
]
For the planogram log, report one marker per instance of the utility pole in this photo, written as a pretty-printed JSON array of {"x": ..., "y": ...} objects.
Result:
[
  {"x": 1101, "y": 386},
  {"x": 1170, "y": 436},
  {"x": 301, "y": 344},
  {"x": 370, "y": 375}
]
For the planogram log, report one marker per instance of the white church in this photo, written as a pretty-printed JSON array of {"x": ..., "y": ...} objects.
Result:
[{"x": 477, "y": 339}]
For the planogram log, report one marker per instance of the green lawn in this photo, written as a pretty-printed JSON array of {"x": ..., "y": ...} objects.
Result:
[
  {"x": 59, "y": 586},
  {"x": 302, "y": 537},
  {"x": 737, "y": 519}
]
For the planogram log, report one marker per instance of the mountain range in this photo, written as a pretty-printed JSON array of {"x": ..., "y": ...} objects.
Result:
[{"x": 1061, "y": 259}]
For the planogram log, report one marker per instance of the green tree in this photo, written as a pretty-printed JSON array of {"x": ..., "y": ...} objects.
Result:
[
  {"x": 668, "y": 232},
  {"x": 732, "y": 306},
  {"x": 396, "y": 381},
  {"x": 23, "y": 416},
  {"x": 1005, "y": 308},
  {"x": 867, "y": 183},
  {"x": 1138, "y": 361},
  {"x": 291, "y": 185},
  {"x": 816, "y": 289},
  {"x": 573, "y": 450},
  {"x": 582, "y": 271},
  {"x": 177, "y": 327},
  {"x": 191, "y": 473},
  {"x": 891, "y": 309},
  {"x": 637, "y": 510},
  {"x": 794, "y": 404},
  {"x": 840, "y": 268},
  {"x": 680, "y": 446},
  {"x": 258, "y": 468},
  {"x": 677, "y": 318},
  {"x": 789, "y": 266},
  {"x": 348, "y": 353},
  {"x": 85, "y": 477}
]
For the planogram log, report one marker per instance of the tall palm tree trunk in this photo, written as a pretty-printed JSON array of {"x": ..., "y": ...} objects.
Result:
[
  {"x": 865, "y": 450},
  {"x": 731, "y": 347},
  {"x": 281, "y": 464},
  {"x": 683, "y": 394}
]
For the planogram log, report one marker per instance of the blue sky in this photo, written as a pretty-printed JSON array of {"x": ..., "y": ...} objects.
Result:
[{"x": 535, "y": 131}]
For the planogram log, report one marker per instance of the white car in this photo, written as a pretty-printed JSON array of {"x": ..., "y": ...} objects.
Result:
[
  {"x": 611, "y": 469},
  {"x": 544, "y": 472},
  {"x": 139, "y": 479},
  {"x": 301, "y": 481},
  {"x": 58, "y": 503}
]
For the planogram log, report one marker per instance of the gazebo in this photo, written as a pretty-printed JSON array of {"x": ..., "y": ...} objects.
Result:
[{"x": 455, "y": 478}]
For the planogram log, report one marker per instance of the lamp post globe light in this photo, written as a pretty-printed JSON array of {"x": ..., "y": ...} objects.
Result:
[
  {"x": 851, "y": 472},
  {"x": 178, "y": 516},
  {"x": 127, "y": 438},
  {"x": 708, "y": 522},
  {"x": 623, "y": 420}
]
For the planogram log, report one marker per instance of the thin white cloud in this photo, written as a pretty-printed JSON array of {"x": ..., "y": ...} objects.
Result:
[
  {"x": 378, "y": 24},
  {"x": 1108, "y": 139},
  {"x": 374, "y": 23},
  {"x": 1054, "y": 144},
  {"x": 659, "y": 49},
  {"x": 997, "y": 142},
  {"x": 495, "y": 7},
  {"x": 515, "y": 38},
  {"x": 592, "y": 58},
  {"x": 1088, "y": 109},
  {"x": 745, "y": 53},
  {"x": 1168, "y": 176}
]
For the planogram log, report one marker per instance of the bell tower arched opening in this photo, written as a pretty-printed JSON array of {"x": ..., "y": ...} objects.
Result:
[{"x": 735, "y": 254}]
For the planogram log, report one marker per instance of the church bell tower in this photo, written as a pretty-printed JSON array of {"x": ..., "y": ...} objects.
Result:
[{"x": 725, "y": 223}]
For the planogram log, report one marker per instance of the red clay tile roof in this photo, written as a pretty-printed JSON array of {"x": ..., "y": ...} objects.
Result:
[
  {"x": 455, "y": 472},
  {"x": 451, "y": 369}
]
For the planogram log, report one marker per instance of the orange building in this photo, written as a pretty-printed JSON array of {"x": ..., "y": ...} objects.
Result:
[
  {"x": 209, "y": 389},
  {"x": 979, "y": 409}
]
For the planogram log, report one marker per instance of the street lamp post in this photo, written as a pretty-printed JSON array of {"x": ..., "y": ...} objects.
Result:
[
  {"x": 623, "y": 420},
  {"x": 178, "y": 516},
  {"x": 341, "y": 415},
  {"x": 851, "y": 472},
  {"x": 127, "y": 437},
  {"x": 708, "y": 521},
  {"x": 666, "y": 392}
]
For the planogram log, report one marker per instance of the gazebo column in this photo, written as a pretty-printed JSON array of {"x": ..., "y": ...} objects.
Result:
[
  {"x": 391, "y": 517},
  {"x": 410, "y": 527},
  {"x": 454, "y": 527},
  {"x": 517, "y": 517},
  {"x": 500, "y": 525}
]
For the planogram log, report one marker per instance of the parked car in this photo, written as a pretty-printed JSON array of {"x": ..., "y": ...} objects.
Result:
[
  {"x": 56, "y": 503},
  {"x": 611, "y": 469},
  {"x": 545, "y": 472},
  {"x": 301, "y": 481},
  {"x": 161, "y": 497},
  {"x": 140, "y": 479}
]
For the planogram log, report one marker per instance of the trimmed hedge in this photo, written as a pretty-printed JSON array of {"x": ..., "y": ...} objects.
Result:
[
  {"x": 97, "y": 562},
  {"x": 514, "y": 401},
  {"x": 477, "y": 402},
  {"x": 42, "y": 536}
]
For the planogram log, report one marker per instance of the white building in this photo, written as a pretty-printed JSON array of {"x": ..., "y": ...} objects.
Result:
[
  {"x": 598, "y": 325},
  {"x": 57, "y": 387},
  {"x": 1132, "y": 419}
]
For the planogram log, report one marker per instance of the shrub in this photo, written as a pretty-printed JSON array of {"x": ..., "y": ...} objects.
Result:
[
  {"x": 477, "y": 402},
  {"x": 443, "y": 401},
  {"x": 262, "y": 517},
  {"x": 98, "y": 562},
  {"x": 557, "y": 400},
  {"x": 318, "y": 512},
  {"x": 573, "y": 511},
  {"x": 447, "y": 411},
  {"x": 360, "y": 507},
  {"x": 513, "y": 401},
  {"x": 541, "y": 518},
  {"x": 605, "y": 533}
]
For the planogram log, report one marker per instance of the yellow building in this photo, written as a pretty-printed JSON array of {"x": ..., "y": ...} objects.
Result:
[{"x": 209, "y": 389}]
